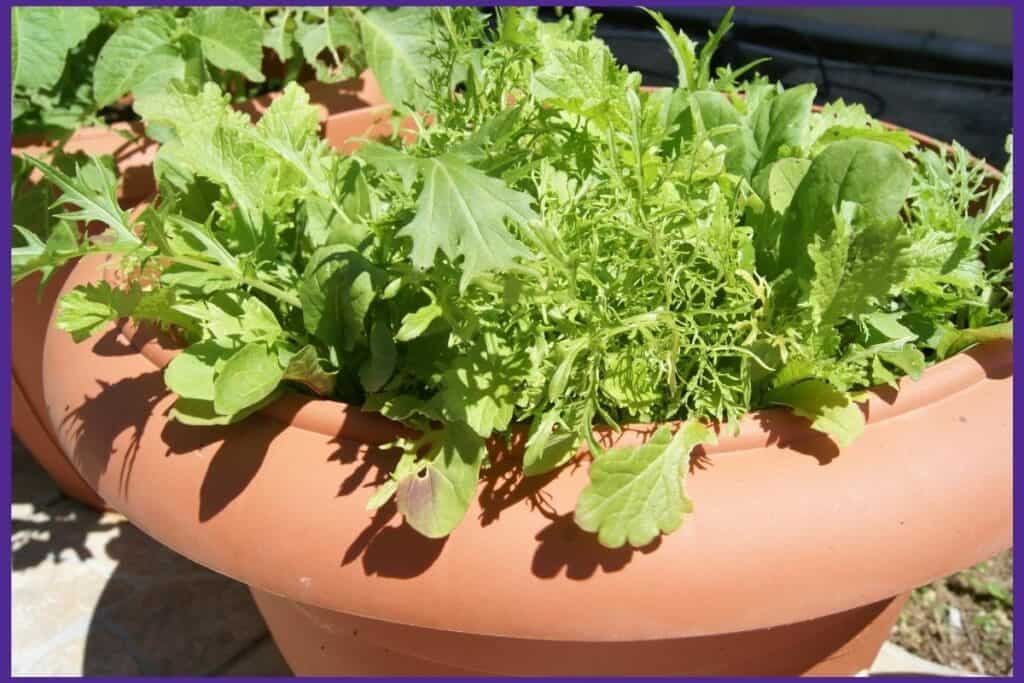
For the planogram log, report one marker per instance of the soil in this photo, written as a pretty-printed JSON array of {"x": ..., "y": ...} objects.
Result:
[{"x": 964, "y": 621}]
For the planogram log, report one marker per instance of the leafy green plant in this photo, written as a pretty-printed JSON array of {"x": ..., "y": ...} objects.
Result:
[
  {"x": 557, "y": 247},
  {"x": 68, "y": 63}
]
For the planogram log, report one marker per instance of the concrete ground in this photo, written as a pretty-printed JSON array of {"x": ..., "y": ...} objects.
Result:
[{"x": 92, "y": 595}]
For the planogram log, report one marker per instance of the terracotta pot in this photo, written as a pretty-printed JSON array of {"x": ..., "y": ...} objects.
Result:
[
  {"x": 797, "y": 560},
  {"x": 133, "y": 155}
]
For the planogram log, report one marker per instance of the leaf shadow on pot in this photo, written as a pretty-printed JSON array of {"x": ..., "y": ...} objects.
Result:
[
  {"x": 561, "y": 545},
  {"x": 788, "y": 431},
  {"x": 100, "y": 419},
  {"x": 232, "y": 466},
  {"x": 995, "y": 358},
  {"x": 388, "y": 549}
]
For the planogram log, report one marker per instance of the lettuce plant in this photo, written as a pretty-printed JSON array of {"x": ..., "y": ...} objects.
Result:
[
  {"x": 68, "y": 63},
  {"x": 556, "y": 248}
]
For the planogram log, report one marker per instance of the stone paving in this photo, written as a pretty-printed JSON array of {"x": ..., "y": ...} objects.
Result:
[{"x": 92, "y": 595}]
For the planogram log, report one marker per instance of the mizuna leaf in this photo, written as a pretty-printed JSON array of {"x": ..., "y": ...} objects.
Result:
[
  {"x": 94, "y": 191},
  {"x": 683, "y": 51},
  {"x": 636, "y": 492},
  {"x": 62, "y": 244}
]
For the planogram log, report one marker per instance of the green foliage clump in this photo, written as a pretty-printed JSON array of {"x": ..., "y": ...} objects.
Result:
[{"x": 557, "y": 247}]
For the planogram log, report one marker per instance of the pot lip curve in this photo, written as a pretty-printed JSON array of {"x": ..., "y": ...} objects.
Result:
[{"x": 324, "y": 416}]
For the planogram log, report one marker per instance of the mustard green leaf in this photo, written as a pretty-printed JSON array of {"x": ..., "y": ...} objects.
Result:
[
  {"x": 305, "y": 367},
  {"x": 435, "y": 498},
  {"x": 956, "y": 341},
  {"x": 397, "y": 41},
  {"x": 191, "y": 373},
  {"x": 139, "y": 52},
  {"x": 88, "y": 309},
  {"x": 248, "y": 377},
  {"x": 830, "y": 411},
  {"x": 637, "y": 492},
  {"x": 416, "y": 323},
  {"x": 377, "y": 370},
  {"x": 190, "y": 411},
  {"x": 231, "y": 38},
  {"x": 549, "y": 445},
  {"x": 462, "y": 212},
  {"x": 40, "y": 40}
]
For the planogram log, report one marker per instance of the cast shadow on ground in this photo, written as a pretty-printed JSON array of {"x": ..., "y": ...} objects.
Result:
[{"x": 154, "y": 613}]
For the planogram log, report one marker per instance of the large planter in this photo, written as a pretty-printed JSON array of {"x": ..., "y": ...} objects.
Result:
[
  {"x": 133, "y": 155},
  {"x": 797, "y": 560}
]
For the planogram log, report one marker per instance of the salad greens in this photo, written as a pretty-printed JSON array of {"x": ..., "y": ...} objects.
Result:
[
  {"x": 557, "y": 247},
  {"x": 68, "y": 63}
]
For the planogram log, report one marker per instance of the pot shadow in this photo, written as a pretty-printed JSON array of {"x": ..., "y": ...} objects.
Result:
[
  {"x": 562, "y": 545},
  {"x": 387, "y": 546}
]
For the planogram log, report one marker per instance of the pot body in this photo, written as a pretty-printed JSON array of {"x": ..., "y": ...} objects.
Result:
[
  {"x": 30, "y": 317},
  {"x": 790, "y": 563},
  {"x": 318, "y": 642}
]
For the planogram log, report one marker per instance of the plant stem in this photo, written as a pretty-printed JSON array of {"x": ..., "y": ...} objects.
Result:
[{"x": 265, "y": 287}]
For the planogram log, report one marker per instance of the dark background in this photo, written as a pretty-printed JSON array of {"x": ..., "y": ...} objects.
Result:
[{"x": 944, "y": 71}]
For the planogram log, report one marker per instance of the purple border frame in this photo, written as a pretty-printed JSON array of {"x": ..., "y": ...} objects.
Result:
[{"x": 5, "y": 305}]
